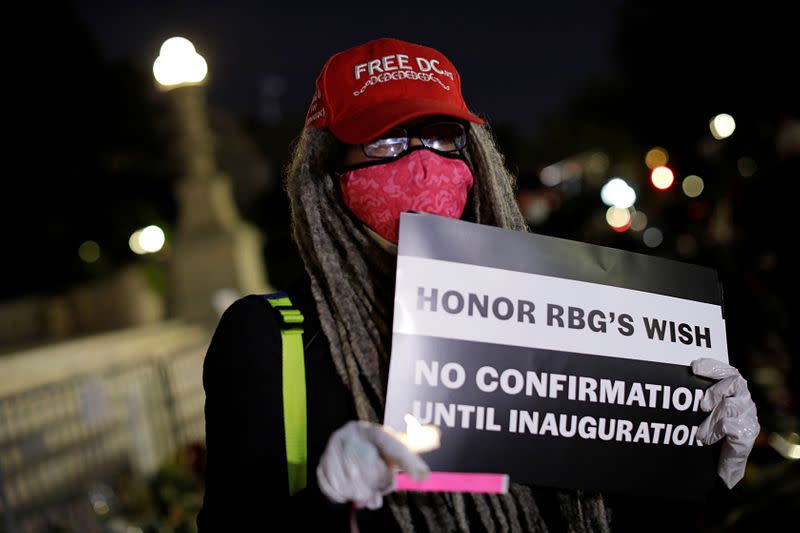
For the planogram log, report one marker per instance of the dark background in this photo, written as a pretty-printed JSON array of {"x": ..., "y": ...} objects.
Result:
[{"x": 90, "y": 157}]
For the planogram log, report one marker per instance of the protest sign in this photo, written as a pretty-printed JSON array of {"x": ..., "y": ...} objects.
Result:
[{"x": 557, "y": 362}]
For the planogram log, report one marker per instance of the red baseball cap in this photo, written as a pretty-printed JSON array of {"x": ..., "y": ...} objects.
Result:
[{"x": 365, "y": 90}]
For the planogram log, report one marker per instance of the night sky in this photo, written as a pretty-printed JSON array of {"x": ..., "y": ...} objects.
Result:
[{"x": 517, "y": 64}]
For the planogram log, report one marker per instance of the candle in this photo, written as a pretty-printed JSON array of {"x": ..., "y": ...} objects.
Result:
[{"x": 418, "y": 438}]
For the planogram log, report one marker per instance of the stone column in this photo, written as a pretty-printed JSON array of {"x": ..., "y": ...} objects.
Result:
[{"x": 212, "y": 249}]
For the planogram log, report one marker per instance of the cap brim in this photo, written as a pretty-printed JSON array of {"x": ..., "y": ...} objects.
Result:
[{"x": 370, "y": 123}]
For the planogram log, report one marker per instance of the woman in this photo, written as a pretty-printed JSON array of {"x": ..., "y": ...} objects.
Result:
[{"x": 387, "y": 131}]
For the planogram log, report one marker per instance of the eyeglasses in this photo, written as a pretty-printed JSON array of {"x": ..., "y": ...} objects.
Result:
[{"x": 439, "y": 136}]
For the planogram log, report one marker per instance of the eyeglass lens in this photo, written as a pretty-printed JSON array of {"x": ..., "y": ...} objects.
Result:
[{"x": 440, "y": 136}]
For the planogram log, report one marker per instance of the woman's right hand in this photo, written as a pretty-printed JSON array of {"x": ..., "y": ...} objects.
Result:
[{"x": 360, "y": 461}]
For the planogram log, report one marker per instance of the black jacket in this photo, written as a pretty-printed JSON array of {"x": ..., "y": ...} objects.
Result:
[{"x": 246, "y": 486}]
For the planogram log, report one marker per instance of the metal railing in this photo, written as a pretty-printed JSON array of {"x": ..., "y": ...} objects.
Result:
[{"x": 60, "y": 440}]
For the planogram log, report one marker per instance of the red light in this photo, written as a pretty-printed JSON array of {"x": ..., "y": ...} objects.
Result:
[{"x": 621, "y": 228}]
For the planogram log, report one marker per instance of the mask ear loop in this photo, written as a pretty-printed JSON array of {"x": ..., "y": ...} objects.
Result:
[
  {"x": 464, "y": 152},
  {"x": 469, "y": 214}
]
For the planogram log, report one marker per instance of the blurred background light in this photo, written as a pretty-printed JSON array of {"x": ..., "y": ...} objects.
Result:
[
  {"x": 147, "y": 240},
  {"x": 134, "y": 243},
  {"x": 662, "y": 177},
  {"x": 100, "y": 507},
  {"x": 550, "y": 175},
  {"x": 692, "y": 186},
  {"x": 653, "y": 237},
  {"x": 179, "y": 64},
  {"x": 89, "y": 251},
  {"x": 722, "y": 126},
  {"x": 616, "y": 192},
  {"x": 638, "y": 221},
  {"x": 618, "y": 218},
  {"x": 537, "y": 210},
  {"x": 152, "y": 239},
  {"x": 788, "y": 446},
  {"x": 656, "y": 157},
  {"x": 747, "y": 166}
]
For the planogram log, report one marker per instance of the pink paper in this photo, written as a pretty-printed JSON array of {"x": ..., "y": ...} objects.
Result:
[{"x": 454, "y": 482}]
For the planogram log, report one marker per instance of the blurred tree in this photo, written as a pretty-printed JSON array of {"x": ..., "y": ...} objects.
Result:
[{"x": 92, "y": 162}]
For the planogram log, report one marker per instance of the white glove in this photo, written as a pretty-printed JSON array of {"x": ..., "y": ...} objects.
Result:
[
  {"x": 733, "y": 416},
  {"x": 360, "y": 461}
]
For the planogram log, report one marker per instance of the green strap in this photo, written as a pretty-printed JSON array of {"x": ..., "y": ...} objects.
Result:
[{"x": 294, "y": 392}]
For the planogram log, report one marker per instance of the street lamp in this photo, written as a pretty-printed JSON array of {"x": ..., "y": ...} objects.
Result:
[
  {"x": 213, "y": 251},
  {"x": 178, "y": 64},
  {"x": 181, "y": 73}
]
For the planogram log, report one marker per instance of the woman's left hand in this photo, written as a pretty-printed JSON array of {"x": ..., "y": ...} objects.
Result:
[{"x": 733, "y": 416}]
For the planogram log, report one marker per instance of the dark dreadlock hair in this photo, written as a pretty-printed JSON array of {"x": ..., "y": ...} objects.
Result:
[{"x": 352, "y": 280}]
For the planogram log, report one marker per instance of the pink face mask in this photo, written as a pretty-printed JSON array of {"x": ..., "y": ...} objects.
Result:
[{"x": 419, "y": 181}]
